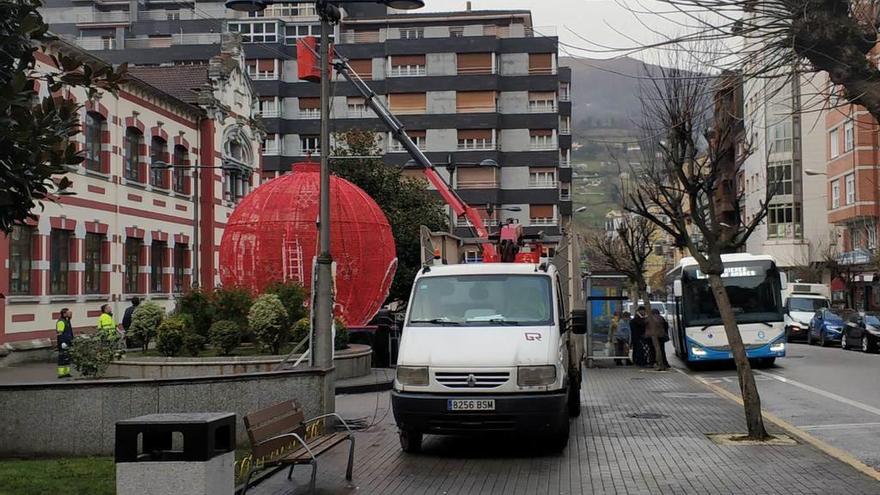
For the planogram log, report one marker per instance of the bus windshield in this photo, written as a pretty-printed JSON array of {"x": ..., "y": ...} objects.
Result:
[
  {"x": 482, "y": 300},
  {"x": 806, "y": 305},
  {"x": 753, "y": 289}
]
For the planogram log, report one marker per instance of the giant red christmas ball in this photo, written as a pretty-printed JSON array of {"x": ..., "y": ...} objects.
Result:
[{"x": 272, "y": 236}]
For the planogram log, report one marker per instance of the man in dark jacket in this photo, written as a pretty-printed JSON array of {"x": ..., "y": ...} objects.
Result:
[
  {"x": 637, "y": 334},
  {"x": 126, "y": 318},
  {"x": 64, "y": 334},
  {"x": 657, "y": 333}
]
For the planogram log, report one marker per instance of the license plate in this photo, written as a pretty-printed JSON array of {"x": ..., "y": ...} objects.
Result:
[{"x": 470, "y": 404}]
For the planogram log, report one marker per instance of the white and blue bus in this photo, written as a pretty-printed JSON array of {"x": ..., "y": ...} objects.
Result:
[{"x": 754, "y": 286}]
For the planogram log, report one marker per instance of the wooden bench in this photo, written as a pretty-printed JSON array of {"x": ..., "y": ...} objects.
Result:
[{"x": 281, "y": 436}]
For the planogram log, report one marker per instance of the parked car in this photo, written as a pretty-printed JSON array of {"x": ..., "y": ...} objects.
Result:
[
  {"x": 827, "y": 326},
  {"x": 862, "y": 331}
]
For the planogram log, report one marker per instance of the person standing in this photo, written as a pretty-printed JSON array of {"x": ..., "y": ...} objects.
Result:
[
  {"x": 622, "y": 341},
  {"x": 64, "y": 335},
  {"x": 658, "y": 331},
  {"x": 637, "y": 334},
  {"x": 612, "y": 330},
  {"x": 129, "y": 311},
  {"x": 106, "y": 324}
]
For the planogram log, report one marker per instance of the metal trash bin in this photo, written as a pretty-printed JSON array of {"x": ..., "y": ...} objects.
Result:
[{"x": 176, "y": 454}]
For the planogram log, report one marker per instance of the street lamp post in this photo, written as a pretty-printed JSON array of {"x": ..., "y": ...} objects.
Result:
[{"x": 322, "y": 340}]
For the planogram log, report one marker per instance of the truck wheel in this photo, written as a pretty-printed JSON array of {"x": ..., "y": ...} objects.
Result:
[
  {"x": 559, "y": 439},
  {"x": 574, "y": 399},
  {"x": 410, "y": 441}
]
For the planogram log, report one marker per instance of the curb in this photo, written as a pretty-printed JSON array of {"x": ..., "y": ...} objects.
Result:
[
  {"x": 794, "y": 431},
  {"x": 379, "y": 386}
]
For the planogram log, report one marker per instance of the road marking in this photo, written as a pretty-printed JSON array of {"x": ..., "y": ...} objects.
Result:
[
  {"x": 793, "y": 430},
  {"x": 839, "y": 426},
  {"x": 823, "y": 393}
]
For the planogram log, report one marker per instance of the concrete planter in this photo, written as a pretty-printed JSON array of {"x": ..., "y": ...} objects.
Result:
[{"x": 349, "y": 363}]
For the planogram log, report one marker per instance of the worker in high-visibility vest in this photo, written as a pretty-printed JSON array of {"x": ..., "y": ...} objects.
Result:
[
  {"x": 106, "y": 324},
  {"x": 64, "y": 334}
]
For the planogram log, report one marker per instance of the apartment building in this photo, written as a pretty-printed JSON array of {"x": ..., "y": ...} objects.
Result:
[
  {"x": 473, "y": 87},
  {"x": 784, "y": 120},
  {"x": 853, "y": 156},
  {"x": 129, "y": 229}
]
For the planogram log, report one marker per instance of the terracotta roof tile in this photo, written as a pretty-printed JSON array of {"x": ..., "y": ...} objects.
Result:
[{"x": 179, "y": 81}]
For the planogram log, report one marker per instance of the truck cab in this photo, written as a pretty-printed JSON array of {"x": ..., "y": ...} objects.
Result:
[
  {"x": 487, "y": 348},
  {"x": 801, "y": 302}
]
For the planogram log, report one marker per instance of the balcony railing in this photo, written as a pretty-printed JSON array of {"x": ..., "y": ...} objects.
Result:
[
  {"x": 542, "y": 221},
  {"x": 407, "y": 71},
  {"x": 477, "y": 145},
  {"x": 535, "y": 107},
  {"x": 477, "y": 184},
  {"x": 166, "y": 15},
  {"x": 309, "y": 113},
  {"x": 359, "y": 113},
  {"x": 270, "y": 112},
  {"x": 564, "y": 130},
  {"x": 515, "y": 31},
  {"x": 519, "y": 31},
  {"x": 94, "y": 43},
  {"x": 103, "y": 18},
  {"x": 364, "y": 37},
  {"x": 272, "y": 148},
  {"x": 542, "y": 184},
  {"x": 174, "y": 39},
  {"x": 543, "y": 146},
  {"x": 464, "y": 222},
  {"x": 564, "y": 95},
  {"x": 564, "y": 195}
]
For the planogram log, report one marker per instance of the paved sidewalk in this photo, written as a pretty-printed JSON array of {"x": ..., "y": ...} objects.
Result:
[{"x": 610, "y": 452}]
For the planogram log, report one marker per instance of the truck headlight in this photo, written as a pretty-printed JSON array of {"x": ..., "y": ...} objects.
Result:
[
  {"x": 777, "y": 347},
  {"x": 413, "y": 375},
  {"x": 533, "y": 376}
]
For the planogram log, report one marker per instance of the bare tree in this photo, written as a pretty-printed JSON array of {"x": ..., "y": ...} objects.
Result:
[
  {"x": 691, "y": 156},
  {"x": 626, "y": 250}
]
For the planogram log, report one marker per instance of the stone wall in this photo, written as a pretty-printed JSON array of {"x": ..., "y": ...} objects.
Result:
[{"x": 79, "y": 417}]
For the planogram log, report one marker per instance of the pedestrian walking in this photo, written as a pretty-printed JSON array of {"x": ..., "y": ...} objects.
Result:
[
  {"x": 637, "y": 335},
  {"x": 658, "y": 332},
  {"x": 622, "y": 341},
  {"x": 64, "y": 335}
]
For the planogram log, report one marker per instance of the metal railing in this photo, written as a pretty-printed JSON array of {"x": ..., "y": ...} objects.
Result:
[
  {"x": 94, "y": 43},
  {"x": 407, "y": 71},
  {"x": 564, "y": 195},
  {"x": 363, "y": 37},
  {"x": 542, "y": 221},
  {"x": 543, "y": 146},
  {"x": 477, "y": 184},
  {"x": 270, "y": 113},
  {"x": 272, "y": 148},
  {"x": 464, "y": 222},
  {"x": 542, "y": 184},
  {"x": 359, "y": 113},
  {"x": 166, "y": 15},
  {"x": 309, "y": 113},
  {"x": 564, "y": 130},
  {"x": 102, "y": 17},
  {"x": 514, "y": 31},
  {"x": 535, "y": 107},
  {"x": 174, "y": 39},
  {"x": 476, "y": 145}
]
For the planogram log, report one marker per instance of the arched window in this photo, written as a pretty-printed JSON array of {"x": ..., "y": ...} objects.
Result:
[
  {"x": 180, "y": 174},
  {"x": 158, "y": 153},
  {"x": 134, "y": 140},
  {"x": 237, "y": 164},
  {"x": 94, "y": 131}
]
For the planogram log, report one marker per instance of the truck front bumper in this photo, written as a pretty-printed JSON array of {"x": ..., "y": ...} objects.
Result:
[{"x": 531, "y": 413}]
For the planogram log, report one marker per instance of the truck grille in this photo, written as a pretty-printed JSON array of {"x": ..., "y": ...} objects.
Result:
[{"x": 464, "y": 379}]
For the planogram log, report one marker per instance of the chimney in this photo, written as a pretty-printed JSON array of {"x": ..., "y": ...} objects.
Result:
[{"x": 468, "y": 6}]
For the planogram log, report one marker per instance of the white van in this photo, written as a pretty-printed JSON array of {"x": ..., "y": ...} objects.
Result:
[
  {"x": 628, "y": 306},
  {"x": 487, "y": 348},
  {"x": 801, "y": 303}
]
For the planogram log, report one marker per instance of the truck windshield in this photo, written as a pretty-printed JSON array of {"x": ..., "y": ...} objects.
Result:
[
  {"x": 806, "y": 305},
  {"x": 482, "y": 300}
]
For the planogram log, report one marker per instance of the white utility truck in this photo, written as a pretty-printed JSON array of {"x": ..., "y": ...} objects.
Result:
[
  {"x": 801, "y": 303},
  {"x": 491, "y": 348}
]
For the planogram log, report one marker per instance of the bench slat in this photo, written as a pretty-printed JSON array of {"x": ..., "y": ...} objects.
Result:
[
  {"x": 318, "y": 446},
  {"x": 282, "y": 425},
  {"x": 270, "y": 450},
  {"x": 269, "y": 414}
]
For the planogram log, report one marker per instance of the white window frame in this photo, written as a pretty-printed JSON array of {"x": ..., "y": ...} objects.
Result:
[
  {"x": 542, "y": 105},
  {"x": 542, "y": 179},
  {"x": 834, "y": 142},
  {"x": 394, "y": 145},
  {"x": 565, "y": 125},
  {"x": 311, "y": 30},
  {"x": 564, "y": 91},
  {"x": 358, "y": 110},
  {"x": 850, "y": 181},
  {"x": 848, "y": 136},
  {"x": 415, "y": 33},
  {"x": 310, "y": 113},
  {"x": 273, "y": 145},
  {"x": 249, "y": 34},
  {"x": 305, "y": 141},
  {"x": 270, "y": 109},
  {"x": 543, "y": 142},
  {"x": 835, "y": 193},
  {"x": 477, "y": 144},
  {"x": 407, "y": 70},
  {"x": 781, "y": 137},
  {"x": 258, "y": 75}
]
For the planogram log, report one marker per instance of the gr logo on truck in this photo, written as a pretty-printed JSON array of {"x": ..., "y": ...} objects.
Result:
[{"x": 533, "y": 337}]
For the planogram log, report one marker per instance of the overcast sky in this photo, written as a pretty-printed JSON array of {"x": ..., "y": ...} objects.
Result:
[{"x": 599, "y": 21}]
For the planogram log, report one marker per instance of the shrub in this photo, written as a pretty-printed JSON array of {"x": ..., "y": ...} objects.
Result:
[
  {"x": 266, "y": 320},
  {"x": 91, "y": 354},
  {"x": 193, "y": 343},
  {"x": 293, "y": 297},
  {"x": 341, "y": 340},
  {"x": 145, "y": 321},
  {"x": 225, "y": 336},
  {"x": 232, "y": 303},
  {"x": 301, "y": 330},
  {"x": 199, "y": 307},
  {"x": 170, "y": 336}
]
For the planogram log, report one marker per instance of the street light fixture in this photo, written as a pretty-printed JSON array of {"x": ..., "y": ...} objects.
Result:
[
  {"x": 321, "y": 355},
  {"x": 813, "y": 173},
  {"x": 581, "y": 209}
]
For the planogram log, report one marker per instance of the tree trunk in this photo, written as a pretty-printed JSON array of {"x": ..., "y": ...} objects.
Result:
[{"x": 747, "y": 385}]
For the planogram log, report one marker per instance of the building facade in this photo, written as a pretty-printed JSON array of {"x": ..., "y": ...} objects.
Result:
[
  {"x": 129, "y": 229},
  {"x": 469, "y": 86},
  {"x": 784, "y": 127}
]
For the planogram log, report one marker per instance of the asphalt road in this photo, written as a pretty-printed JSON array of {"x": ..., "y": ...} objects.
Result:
[{"x": 832, "y": 394}]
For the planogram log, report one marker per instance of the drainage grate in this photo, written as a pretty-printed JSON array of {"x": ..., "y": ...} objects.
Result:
[{"x": 647, "y": 415}]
